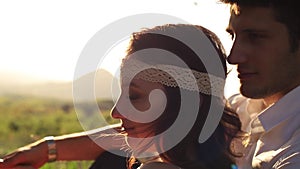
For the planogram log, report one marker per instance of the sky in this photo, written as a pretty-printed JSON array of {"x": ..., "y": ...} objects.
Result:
[{"x": 44, "y": 39}]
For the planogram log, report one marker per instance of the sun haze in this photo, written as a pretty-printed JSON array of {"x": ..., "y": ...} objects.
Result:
[{"x": 44, "y": 39}]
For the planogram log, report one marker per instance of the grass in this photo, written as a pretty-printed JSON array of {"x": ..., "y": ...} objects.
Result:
[{"x": 26, "y": 119}]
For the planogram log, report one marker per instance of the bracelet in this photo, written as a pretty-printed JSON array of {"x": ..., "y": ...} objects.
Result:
[{"x": 51, "y": 148}]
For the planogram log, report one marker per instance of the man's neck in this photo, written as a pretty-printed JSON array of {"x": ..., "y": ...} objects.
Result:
[
  {"x": 275, "y": 97},
  {"x": 268, "y": 101}
]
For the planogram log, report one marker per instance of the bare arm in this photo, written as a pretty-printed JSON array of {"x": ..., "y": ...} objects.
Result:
[{"x": 78, "y": 146}]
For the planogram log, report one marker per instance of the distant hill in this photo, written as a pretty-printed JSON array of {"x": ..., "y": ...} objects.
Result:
[
  {"x": 96, "y": 85},
  {"x": 14, "y": 84}
]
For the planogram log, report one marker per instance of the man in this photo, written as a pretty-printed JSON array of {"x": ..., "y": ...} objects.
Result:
[
  {"x": 267, "y": 54},
  {"x": 266, "y": 50}
]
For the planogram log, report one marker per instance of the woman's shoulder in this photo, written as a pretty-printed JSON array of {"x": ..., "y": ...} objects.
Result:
[{"x": 158, "y": 165}]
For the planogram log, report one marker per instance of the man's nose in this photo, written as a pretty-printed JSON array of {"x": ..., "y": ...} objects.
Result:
[{"x": 237, "y": 54}]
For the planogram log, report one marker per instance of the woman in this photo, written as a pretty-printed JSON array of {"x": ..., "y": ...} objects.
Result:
[
  {"x": 167, "y": 95},
  {"x": 158, "y": 74}
]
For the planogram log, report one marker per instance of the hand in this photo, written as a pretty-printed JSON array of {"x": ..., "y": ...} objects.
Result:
[
  {"x": 76, "y": 146},
  {"x": 29, "y": 157}
]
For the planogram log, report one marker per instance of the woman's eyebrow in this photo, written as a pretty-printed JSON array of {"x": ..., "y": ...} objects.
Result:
[{"x": 133, "y": 85}]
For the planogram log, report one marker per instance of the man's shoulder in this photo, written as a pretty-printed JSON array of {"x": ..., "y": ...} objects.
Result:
[{"x": 287, "y": 155}]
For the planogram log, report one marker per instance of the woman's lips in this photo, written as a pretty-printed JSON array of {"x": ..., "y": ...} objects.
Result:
[{"x": 127, "y": 128}]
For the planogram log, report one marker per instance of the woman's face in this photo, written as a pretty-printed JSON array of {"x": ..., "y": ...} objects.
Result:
[{"x": 140, "y": 103}]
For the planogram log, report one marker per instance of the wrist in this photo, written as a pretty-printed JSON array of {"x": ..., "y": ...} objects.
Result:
[{"x": 52, "y": 152}]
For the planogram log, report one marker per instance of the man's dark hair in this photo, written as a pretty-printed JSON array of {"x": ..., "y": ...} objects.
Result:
[{"x": 285, "y": 11}]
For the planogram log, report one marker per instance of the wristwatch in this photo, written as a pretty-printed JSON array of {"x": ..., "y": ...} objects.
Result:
[{"x": 52, "y": 153}]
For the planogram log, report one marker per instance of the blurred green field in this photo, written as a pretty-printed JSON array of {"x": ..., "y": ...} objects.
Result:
[{"x": 25, "y": 119}]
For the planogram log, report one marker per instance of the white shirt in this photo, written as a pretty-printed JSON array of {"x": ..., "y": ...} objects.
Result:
[{"x": 279, "y": 146}]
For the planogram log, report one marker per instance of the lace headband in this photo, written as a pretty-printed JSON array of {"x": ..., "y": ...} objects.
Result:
[{"x": 173, "y": 76}]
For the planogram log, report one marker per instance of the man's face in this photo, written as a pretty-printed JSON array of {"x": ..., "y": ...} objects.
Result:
[{"x": 261, "y": 50}]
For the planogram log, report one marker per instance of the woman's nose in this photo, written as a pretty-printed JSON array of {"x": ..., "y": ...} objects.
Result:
[{"x": 115, "y": 113}]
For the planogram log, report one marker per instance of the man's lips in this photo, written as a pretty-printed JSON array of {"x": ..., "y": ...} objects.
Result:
[{"x": 245, "y": 75}]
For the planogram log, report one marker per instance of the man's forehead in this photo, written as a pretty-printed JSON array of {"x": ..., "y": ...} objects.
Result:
[
  {"x": 235, "y": 9},
  {"x": 252, "y": 17}
]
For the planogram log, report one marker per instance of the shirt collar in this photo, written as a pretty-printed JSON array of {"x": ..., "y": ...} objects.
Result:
[{"x": 285, "y": 107}]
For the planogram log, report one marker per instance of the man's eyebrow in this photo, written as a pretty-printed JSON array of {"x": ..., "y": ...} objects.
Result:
[
  {"x": 255, "y": 30},
  {"x": 229, "y": 30}
]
